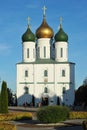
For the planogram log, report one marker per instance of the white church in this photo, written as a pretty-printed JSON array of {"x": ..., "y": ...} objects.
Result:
[{"x": 45, "y": 76}]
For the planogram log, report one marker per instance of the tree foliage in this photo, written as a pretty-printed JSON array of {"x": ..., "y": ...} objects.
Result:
[
  {"x": 81, "y": 95},
  {"x": 4, "y": 98},
  {"x": 10, "y": 97},
  {"x": 85, "y": 81}
]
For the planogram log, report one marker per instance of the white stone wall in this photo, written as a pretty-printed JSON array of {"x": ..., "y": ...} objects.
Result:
[{"x": 36, "y": 82}]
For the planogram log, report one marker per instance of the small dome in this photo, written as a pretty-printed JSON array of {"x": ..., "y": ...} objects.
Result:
[
  {"x": 28, "y": 35},
  {"x": 44, "y": 31},
  {"x": 61, "y": 35}
]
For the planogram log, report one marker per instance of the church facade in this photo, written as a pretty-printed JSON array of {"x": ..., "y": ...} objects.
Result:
[{"x": 45, "y": 76}]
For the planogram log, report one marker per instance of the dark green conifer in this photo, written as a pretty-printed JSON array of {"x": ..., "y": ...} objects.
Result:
[{"x": 4, "y": 98}]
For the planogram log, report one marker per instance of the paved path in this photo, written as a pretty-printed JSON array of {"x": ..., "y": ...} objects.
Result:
[{"x": 55, "y": 128}]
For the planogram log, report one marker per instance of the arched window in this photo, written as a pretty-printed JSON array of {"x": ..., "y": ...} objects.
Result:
[
  {"x": 33, "y": 53},
  {"x": 64, "y": 90},
  {"x": 26, "y": 73},
  {"x": 44, "y": 52},
  {"x": 26, "y": 90},
  {"x": 45, "y": 73},
  {"x": 61, "y": 52},
  {"x": 63, "y": 73},
  {"x": 38, "y": 52},
  {"x": 28, "y": 53},
  {"x": 45, "y": 90}
]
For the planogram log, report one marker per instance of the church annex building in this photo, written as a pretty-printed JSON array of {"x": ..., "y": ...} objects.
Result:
[{"x": 45, "y": 74}]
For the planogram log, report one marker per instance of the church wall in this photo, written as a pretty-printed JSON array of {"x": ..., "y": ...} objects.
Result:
[
  {"x": 39, "y": 73},
  {"x": 60, "y": 78},
  {"x": 36, "y": 82},
  {"x": 23, "y": 81}
]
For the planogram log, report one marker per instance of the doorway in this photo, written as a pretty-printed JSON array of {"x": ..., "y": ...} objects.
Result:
[{"x": 45, "y": 101}]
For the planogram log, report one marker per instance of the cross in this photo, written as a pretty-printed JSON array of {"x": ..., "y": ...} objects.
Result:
[
  {"x": 28, "y": 21},
  {"x": 44, "y": 9},
  {"x": 61, "y": 20}
]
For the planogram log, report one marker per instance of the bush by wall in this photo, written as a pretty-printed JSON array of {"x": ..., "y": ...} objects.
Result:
[{"x": 53, "y": 114}]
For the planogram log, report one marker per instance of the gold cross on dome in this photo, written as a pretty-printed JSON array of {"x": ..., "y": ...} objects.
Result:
[
  {"x": 28, "y": 21},
  {"x": 44, "y": 10},
  {"x": 61, "y": 20}
]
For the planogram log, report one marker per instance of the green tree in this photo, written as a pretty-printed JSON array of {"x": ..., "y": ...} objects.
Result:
[
  {"x": 4, "y": 98},
  {"x": 81, "y": 95},
  {"x": 10, "y": 97}
]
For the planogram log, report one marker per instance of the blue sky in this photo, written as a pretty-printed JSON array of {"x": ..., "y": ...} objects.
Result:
[{"x": 13, "y": 23}]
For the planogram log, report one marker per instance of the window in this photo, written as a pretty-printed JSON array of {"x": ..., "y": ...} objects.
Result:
[
  {"x": 64, "y": 90},
  {"x": 33, "y": 53},
  {"x": 38, "y": 52},
  {"x": 44, "y": 52},
  {"x": 26, "y": 73},
  {"x": 56, "y": 52},
  {"x": 45, "y": 90},
  {"x": 61, "y": 52},
  {"x": 28, "y": 53},
  {"x": 63, "y": 73},
  {"x": 45, "y": 73},
  {"x": 26, "y": 90}
]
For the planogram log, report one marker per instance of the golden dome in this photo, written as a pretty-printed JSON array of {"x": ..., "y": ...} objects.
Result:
[{"x": 44, "y": 31}]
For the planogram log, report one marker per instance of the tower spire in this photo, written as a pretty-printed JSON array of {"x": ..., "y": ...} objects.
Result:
[{"x": 44, "y": 11}]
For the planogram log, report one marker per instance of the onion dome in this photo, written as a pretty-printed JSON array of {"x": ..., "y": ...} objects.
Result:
[
  {"x": 28, "y": 35},
  {"x": 61, "y": 35},
  {"x": 44, "y": 31}
]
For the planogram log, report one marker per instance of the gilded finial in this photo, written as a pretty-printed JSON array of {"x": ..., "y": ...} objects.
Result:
[
  {"x": 61, "y": 20},
  {"x": 28, "y": 21},
  {"x": 44, "y": 10}
]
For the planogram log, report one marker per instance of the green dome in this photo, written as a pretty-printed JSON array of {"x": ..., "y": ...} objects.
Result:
[
  {"x": 28, "y": 35},
  {"x": 61, "y": 35}
]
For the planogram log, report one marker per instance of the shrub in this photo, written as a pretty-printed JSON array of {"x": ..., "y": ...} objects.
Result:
[
  {"x": 23, "y": 116},
  {"x": 7, "y": 126},
  {"x": 15, "y": 116},
  {"x": 84, "y": 125},
  {"x": 52, "y": 114},
  {"x": 78, "y": 115}
]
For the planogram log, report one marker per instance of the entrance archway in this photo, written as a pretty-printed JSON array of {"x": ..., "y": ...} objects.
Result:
[{"x": 45, "y": 101}]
